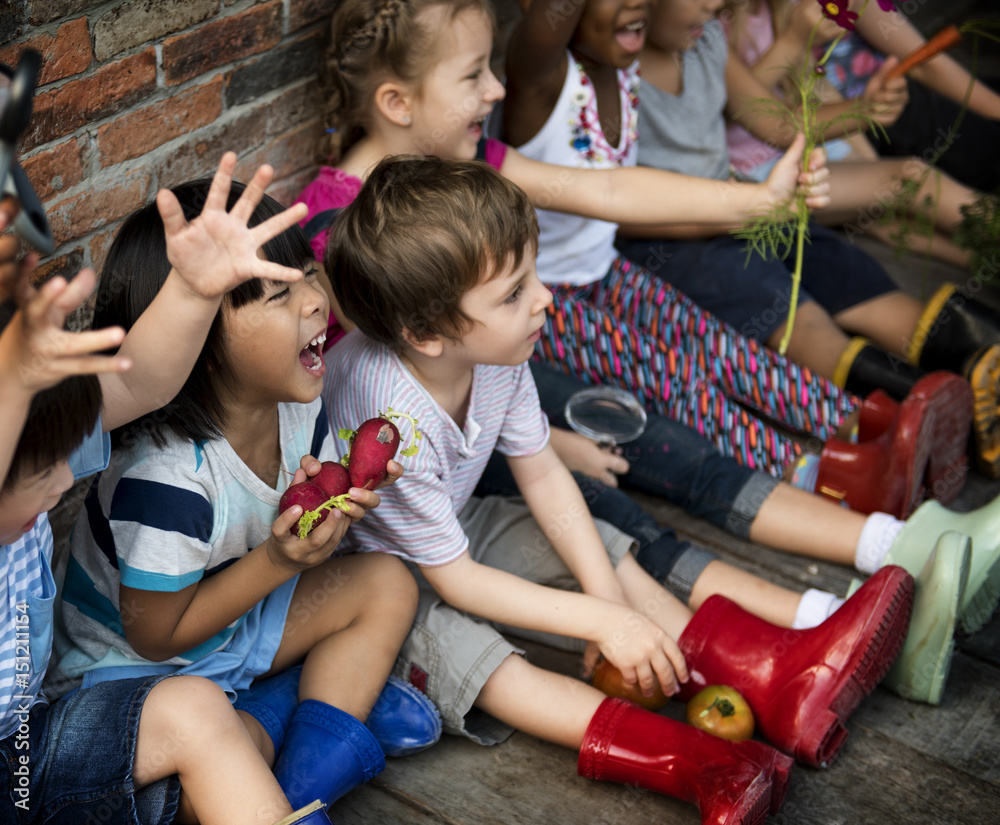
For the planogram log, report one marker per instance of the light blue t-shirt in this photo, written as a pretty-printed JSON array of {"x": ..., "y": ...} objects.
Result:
[
  {"x": 27, "y": 595},
  {"x": 162, "y": 519}
]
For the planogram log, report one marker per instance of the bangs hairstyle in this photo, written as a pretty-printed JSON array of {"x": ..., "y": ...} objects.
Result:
[
  {"x": 420, "y": 234},
  {"x": 59, "y": 418},
  {"x": 135, "y": 269},
  {"x": 372, "y": 42}
]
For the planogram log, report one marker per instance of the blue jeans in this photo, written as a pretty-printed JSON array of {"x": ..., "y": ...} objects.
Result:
[
  {"x": 80, "y": 752},
  {"x": 668, "y": 460}
]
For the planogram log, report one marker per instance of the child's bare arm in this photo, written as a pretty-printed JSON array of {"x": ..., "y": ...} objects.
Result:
[
  {"x": 36, "y": 352},
  {"x": 536, "y": 65},
  {"x": 210, "y": 255},
  {"x": 641, "y": 199},
  {"x": 586, "y": 456},
  {"x": 165, "y": 624},
  {"x": 629, "y": 640},
  {"x": 885, "y": 100},
  {"x": 788, "y": 52},
  {"x": 892, "y": 33},
  {"x": 785, "y": 180}
]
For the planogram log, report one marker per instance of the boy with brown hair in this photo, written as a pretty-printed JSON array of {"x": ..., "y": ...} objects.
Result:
[{"x": 434, "y": 261}]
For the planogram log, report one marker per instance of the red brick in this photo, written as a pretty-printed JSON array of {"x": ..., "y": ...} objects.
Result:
[
  {"x": 297, "y": 105},
  {"x": 99, "y": 245},
  {"x": 56, "y": 169},
  {"x": 66, "y": 265},
  {"x": 143, "y": 21},
  {"x": 222, "y": 41},
  {"x": 303, "y": 12},
  {"x": 108, "y": 90},
  {"x": 98, "y": 206},
  {"x": 288, "y": 154},
  {"x": 287, "y": 189},
  {"x": 136, "y": 133},
  {"x": 199, "y": 156},
  {"x": 42, "y": 11},
  {"x": 65, "y": 53}
]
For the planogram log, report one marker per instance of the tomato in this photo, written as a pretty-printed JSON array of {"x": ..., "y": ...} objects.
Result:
[
  {"x": 608, "y": 679},
  {"x": 721, "y": 711}
]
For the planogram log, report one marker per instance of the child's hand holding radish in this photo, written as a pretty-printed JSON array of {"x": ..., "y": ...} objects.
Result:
[{"x": 319, "y": 489}]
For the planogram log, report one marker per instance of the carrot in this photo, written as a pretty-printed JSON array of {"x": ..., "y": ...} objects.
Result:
[{"x": 943, "y": 40}]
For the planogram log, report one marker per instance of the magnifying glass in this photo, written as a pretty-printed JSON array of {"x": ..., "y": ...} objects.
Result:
[
  {"x": 607, "y": 415},
  {"x": 17, "y": 86}
]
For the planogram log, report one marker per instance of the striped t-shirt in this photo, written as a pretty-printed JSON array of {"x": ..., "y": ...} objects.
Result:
[
  {"x": 163, "y": 519},
  {"x": 418, "y": 516},
  {"x": 27, "y": 598}
]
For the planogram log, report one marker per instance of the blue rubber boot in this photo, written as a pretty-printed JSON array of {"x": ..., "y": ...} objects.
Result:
[
  {"x": 403, "y": 721},
  {"x": 327, "y": 753},
  {"x": 272, "y": 702},
  {"x": 314, "y": 814}
]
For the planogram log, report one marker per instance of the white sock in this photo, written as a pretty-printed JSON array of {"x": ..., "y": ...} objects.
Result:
[
  {"x": 814, "y": 608},
  {"x": 876, "y": 538}
]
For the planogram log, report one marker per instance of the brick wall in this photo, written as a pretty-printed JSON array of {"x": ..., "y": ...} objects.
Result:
[{"x": 140, "y": 94}]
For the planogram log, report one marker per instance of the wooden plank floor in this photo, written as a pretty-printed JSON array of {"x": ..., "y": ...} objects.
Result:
[{"x": 904, "y": 762}]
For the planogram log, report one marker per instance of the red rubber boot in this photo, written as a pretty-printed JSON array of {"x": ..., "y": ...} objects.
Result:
[
  {"x": 952, "y": 399},
  {"x": 921, "y": 453},
  {"x": 802, "y": 685},
  {"x": 732, "y": 783}
]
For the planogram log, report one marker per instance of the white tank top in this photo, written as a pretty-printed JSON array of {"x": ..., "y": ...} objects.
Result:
[{"x": 573, "y": 250}]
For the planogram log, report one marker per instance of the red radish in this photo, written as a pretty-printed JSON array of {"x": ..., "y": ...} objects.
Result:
[
  {"x": 333, "y": 479},
  {"x": 309, "y": 497},
  {"x": 373, "y": 446}
]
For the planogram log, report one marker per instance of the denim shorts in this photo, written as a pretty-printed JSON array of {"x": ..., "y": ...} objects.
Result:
[{"x": 78, "y": 770}]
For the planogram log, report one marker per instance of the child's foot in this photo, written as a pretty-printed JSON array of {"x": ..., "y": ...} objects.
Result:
[
  {"x": 905, "y": 452},
  {"x": 802, "y": 685},
  {"x": 913, "y": 545},
  {"x": 737, "y": 783},
  {"x": 921, "y": 669}
]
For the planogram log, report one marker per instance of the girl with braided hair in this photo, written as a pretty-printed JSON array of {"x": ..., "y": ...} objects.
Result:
[{"x": 414, "y": 78}]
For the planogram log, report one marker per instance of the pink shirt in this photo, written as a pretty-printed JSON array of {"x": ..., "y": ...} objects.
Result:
[
  {"x": 746, "y": 152},
  {"x": 332, "y": 189}
]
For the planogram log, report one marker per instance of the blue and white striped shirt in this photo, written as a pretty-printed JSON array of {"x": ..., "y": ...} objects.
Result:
[{"x": 163, "y": 519}]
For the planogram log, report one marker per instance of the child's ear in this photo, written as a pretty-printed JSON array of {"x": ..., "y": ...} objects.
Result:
[
  {"x": 430, "y": 346},
  {"x": 393, "y": 101}
]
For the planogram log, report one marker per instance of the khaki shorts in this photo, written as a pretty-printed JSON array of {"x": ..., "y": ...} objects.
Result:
[{"x": 450, "y": 654}]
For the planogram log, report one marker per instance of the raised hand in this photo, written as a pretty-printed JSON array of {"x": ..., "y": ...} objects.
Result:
[
  {"x": 36, "y": 352},
  {"x": 217, "y": 250}
]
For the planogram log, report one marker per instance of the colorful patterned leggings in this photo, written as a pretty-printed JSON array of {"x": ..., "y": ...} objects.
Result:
[{"x": 635, "y": 331}]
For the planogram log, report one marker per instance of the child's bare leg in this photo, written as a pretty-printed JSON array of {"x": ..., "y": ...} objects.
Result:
[
  {"x": 548, "y": 705},
  {"x": 888, "y": 320},
  {"x": 189, "y": 728},
  {"x": 348, "y": 618},
  {"x": 937, "y": 245},
  {"x": 817, "y": 341},
  {"x": 798, "y": 522}
]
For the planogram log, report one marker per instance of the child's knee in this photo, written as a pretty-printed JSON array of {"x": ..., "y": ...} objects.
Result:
[
  {"x": 195, "y": 705},
  {"x": 392, "y": 584}
]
